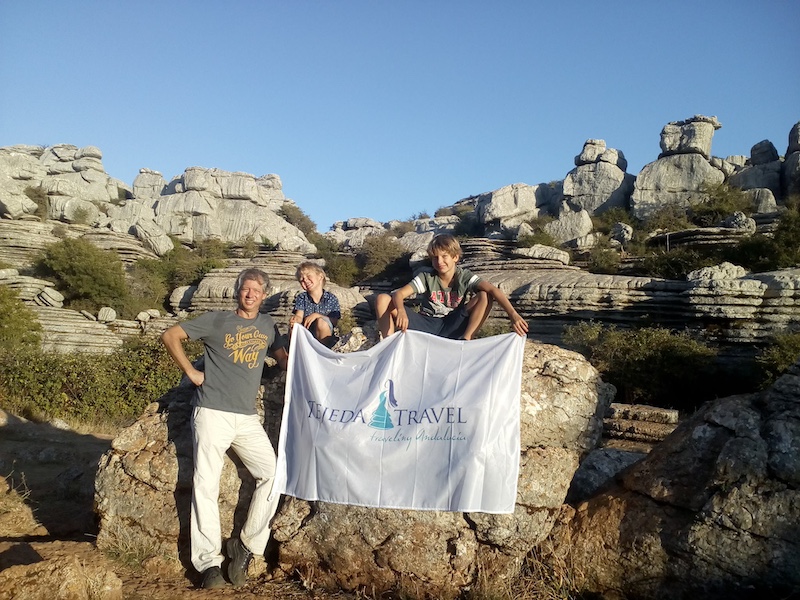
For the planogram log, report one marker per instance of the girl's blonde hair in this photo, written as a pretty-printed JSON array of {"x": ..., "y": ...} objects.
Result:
[{"x": 309, "y": 266}]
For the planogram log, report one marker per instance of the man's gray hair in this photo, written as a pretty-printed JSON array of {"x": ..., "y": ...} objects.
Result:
[{"x": 251, "y": 275}]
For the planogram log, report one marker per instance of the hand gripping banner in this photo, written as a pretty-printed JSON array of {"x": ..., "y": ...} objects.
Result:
[{"x": 415, "y": 422}]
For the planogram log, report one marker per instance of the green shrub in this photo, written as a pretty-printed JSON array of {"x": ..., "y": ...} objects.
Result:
[
  {"x": 782, "y": 353},
  {"x": 87, "y": 276},
  {"x": 39, "y": 196},
  {"x": 675, "y": 264},
  {"x": 402, "y": 228},
  {"x": 604, "y": 260},
  {"x": 81, "y": 216},
  {"x": 650, "y": 365},
  {"x": 381, "y": 255},
  {"x": 19, "y": 326},
  {"x": 606, "y": 220},
  {"x": 342, "y": 269},
  {"x": 539, "y": 235},
  {"x": 667, "y": 218},
  {"x": 292, "y": 214},
  {"x": 469, "y": 225},
  {"x": 722, "y": 201},
  {"x": 107, "y": 388}
]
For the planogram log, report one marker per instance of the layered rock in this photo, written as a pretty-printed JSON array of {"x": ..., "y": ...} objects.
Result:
[
  {"x": 68, "y": 331},
  {"x": 511, "y": 205},
  {"x": 711, "y": 512},
  {"x": 346, "y": 547}
]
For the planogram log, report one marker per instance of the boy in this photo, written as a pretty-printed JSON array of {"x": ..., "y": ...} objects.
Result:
[
  {"x": 443, "y": 288},
  {"x": 317, "y": 309},
  {"x": 224, "y": 416}
]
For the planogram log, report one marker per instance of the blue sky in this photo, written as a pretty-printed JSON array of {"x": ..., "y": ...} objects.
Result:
[{"x": 387, "y": 109}]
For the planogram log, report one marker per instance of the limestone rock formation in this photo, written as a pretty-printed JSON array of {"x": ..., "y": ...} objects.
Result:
[
  {"x": 346, "y": 547},
  {"x": 674, "y": 180},
  {"x": 689, "y": 136},
  {"x": 711, "y": 512},
  {"x": 599, "y": 181},
  {"x": 790, "y": 178},
  {"x": 511, "y": 205},
  {"x": 72, "y": 178}
]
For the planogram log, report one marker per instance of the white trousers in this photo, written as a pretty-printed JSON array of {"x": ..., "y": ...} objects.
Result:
[{"x": 213, "y": 432}]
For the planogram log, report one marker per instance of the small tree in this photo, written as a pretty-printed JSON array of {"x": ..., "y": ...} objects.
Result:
[{"x": 88, "y": 277}]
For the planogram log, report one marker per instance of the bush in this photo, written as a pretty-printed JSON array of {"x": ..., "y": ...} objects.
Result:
[
  {"x": 87, "y": 276},
  {"x": 604, "y": 260},
  {"x": 402, "y": 228},
  {"x": 651, "y": 365},
  {"x": 100, "y": 388},
  {"x": 342, "y": 269},
  {"x": 675, "y": 264},
  {"x": 667, "y": 218},
  {"x": 19, "y": 326},
  {"x": 295, "y": 216},
  {"x": 603, "y": 222},
  {"x": 722, "y": 201},
  {"x": 39, "y": 196},
  {"x": 781, "y": 354},
  {"x": 381, "y": 255},
  {"x": 539, "y": 235}
]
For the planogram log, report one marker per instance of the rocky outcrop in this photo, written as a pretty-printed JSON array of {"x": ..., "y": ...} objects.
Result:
[
  {"x": 763, "y": 170},
  {"x": 692, "y": 136},
  {"x": 730, "y": 307},
  {"x": 790, "y": 178},
  {"x": 348, "y": 547},
  {"x": 72, "y": 178},
  {"x": 68, "y": 331},
  {"x": 511, "y": 205},
  {"x": 71, "y": 187},
  {"x": 674, "y": 180},
  {"x": 30, "y": 289},
  {"x": 599, "y": 181},
  {"x": 711, "y": 512}
]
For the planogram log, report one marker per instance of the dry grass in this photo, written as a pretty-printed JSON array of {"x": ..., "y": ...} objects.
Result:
[
  {"x": 16, "y": 515},
  {"x": 122, "y": 546}
]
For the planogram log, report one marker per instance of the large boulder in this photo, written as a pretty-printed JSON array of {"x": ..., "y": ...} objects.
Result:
[
  {"x": 711, "y": 512},
  {"x": 422, "y": 552},
  {"x": 599, "y": 181},
  {"x": 689, "y": 137},
  {"x": 513, "y": 204},
  {"x": 676, "y": 180}
]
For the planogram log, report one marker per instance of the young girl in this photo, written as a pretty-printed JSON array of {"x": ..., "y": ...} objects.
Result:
[{"x": 318, "y": 310}]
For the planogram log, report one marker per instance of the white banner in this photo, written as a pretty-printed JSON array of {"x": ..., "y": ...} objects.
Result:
[{"x": 416, "y": 422}]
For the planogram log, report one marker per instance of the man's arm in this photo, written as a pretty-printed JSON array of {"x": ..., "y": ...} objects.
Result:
[
  {"x": 519, "y": 324},
  {"x": 173, "y": 339},
  {"x": 282, "y": 357}
]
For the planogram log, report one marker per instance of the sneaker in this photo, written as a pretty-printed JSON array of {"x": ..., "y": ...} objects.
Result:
[
  {"x": 240, "y": 558},
  {"x": 213, "y": 579}
]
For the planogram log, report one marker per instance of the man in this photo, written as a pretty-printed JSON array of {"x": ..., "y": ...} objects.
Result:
[{"x": 224, "y": 416}]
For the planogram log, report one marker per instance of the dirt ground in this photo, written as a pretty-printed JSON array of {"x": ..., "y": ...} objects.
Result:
[{"x": 46, "y": 513}]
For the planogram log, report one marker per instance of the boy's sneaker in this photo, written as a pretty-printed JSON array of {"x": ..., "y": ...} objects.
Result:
[
  {"x": 213, "y": 579},
  {"x": 240, "y": 558}
]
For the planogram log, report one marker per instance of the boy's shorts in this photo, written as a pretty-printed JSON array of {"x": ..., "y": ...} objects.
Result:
[{"x": 451, "y": 326}]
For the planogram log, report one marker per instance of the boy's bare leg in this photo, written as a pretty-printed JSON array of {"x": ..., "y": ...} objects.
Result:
[
  {"x": 478, "y": 309},
  {"x": 385, "y": 311},
  {"x": 321, "y": 329}
]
